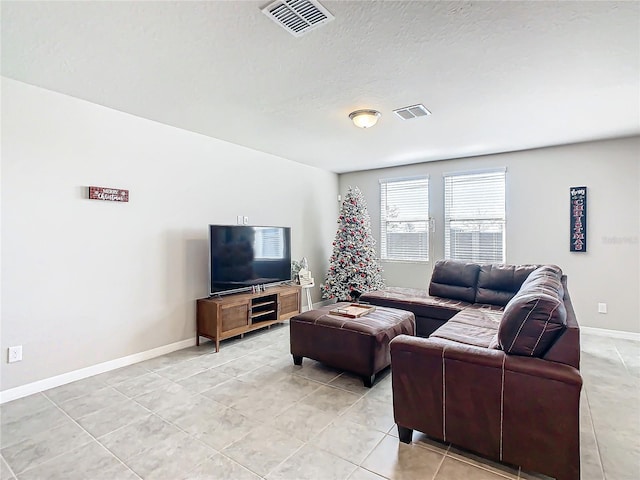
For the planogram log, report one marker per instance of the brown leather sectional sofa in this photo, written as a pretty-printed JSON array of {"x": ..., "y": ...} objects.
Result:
[{"x": 500, "y": 374}]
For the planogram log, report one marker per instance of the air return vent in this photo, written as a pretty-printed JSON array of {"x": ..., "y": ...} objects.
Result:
[
  {"x": 414, "y": 111},
  {"x": 298, "y": 16}
]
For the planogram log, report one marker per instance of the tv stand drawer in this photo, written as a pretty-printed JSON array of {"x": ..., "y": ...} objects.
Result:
[
  {"x": 234, "y": 316},
  {"x": 289, "y": 304}
]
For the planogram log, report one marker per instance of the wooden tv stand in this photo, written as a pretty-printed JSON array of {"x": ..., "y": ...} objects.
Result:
[{"x": 228, "y": 316}]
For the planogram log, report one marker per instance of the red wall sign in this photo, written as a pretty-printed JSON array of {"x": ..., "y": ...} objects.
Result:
[
  {"x": 578, "y": 234},
  {"x": 111, "y": 194}
]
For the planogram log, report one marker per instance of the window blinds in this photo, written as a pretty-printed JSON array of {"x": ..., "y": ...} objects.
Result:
[
  {"x": 404, "y": 222},
  {"x": 474, "y": 216}
]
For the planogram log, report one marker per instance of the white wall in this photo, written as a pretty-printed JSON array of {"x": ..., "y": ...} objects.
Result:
[
  {"x": 85, "y": 281},
  {"x": 538, "y": 183}
]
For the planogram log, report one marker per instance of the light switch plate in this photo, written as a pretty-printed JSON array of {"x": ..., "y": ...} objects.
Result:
[{"x": 15, "y": 354}]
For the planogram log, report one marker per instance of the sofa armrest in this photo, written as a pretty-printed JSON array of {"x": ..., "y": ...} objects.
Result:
[
  {"x": 430, "y": 349},
  {"x": 423, "y": 348}
]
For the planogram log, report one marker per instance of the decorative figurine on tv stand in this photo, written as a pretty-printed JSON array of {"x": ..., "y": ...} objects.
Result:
[
  {"x": 305, "y": 278},
  {"x": 304, "y": 275}
]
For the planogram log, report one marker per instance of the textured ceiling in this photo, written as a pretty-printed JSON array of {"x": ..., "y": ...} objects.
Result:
[{"x": 497, "y": 76}]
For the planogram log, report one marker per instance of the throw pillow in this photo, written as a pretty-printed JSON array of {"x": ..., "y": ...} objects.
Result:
[{"x": 531, "y": 323}]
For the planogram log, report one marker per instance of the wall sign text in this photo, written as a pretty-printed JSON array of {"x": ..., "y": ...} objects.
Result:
[
  {"x": 578, "y": 233},
  {"x": 110, "y": 194}
]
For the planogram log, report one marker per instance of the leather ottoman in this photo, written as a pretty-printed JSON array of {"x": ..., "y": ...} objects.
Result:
[{"x": 359, "y": 345}]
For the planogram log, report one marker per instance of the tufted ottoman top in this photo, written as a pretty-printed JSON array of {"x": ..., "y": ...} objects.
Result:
[{"x": 383, "y": 323}]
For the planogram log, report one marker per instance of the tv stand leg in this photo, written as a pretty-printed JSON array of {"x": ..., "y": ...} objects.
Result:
[
  {"x": 217, "y": 345},
  {"x": 197, "y": 340}
]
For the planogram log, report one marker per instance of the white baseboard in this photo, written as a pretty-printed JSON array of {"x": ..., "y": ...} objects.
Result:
[
  {"x": 58, "y": 380},
  {"x": 603, "y": 332}
]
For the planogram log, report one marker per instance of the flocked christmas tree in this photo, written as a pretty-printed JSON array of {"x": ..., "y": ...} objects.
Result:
[{"x": 354, "y": 265}]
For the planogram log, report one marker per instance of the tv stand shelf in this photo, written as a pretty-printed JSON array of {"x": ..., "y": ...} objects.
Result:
[
  {"x": 262, "y": 314},
  {"x": 219, "y": 318}
]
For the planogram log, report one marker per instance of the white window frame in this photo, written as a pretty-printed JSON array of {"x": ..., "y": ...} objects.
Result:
[
  {"x": 401, "y": 219},
  {"x": 475, "y": 204}
]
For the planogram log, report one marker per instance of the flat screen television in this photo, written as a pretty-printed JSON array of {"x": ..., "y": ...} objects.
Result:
[{"x": 242, "y": 257}]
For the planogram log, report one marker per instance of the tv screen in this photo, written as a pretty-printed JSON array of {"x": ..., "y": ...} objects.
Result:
[{"x": 242, "y": 256}]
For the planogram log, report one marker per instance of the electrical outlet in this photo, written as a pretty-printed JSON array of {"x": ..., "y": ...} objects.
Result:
[
  {"x": 15, "y": 354},
  {"x": 602, "y": 308},
  {"x": 239, "y": 220},
  {"x": 245, "y": 220}
]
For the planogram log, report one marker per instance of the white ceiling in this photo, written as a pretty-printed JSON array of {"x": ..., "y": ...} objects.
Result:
[{"x": 498, "y": 76}]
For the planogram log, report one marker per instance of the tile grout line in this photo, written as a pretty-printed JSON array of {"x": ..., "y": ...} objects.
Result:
[
  {"x": 435, "y": 474},
  {"x": 307, "y": 442},
  {"x": 483, "y": 467},
  {"x": 68, "y": 451},
  {"x": 155, "y": 414},
  {"x": 9, "y": 467},
  {"x": 266, "y": 424},
  {"x": 304, "y": 443},
  {"x": 132, "y": 398},
  {"x": 369, "y": 454},
  {"x": 216, "y": 451},
  {"x": 595, "y": 436},
  {"x": 320, "y": 384},
  {"x": 151, "y": 412},
  {"x": 226, "y": 407},
  {"x": 624, "y": 364}
]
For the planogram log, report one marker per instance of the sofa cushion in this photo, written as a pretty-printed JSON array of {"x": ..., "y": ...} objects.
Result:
[
  {"x": 535, "y": 316},
  {"x": 471, "y": 327},
  {"x": 497, "y": 284},
  {"x": 454, "y": 279},
  {"x": 415, "y": 300}
]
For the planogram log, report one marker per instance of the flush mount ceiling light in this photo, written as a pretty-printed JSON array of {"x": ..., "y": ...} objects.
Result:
[{"x": 364, "y": 118}]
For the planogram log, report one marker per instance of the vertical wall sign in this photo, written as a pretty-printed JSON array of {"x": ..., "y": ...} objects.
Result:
[
  {"x": 111, "y": 194},
  {"x": 578, "y": 234}
]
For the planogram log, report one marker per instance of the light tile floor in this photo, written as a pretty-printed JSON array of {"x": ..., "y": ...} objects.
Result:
[{"x": 248, "y": 413}]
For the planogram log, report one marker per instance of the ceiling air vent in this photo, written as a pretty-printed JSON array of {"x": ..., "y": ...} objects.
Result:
[
  {"x": 298, "y": 16},
  {"x": 414, "y": 111}
]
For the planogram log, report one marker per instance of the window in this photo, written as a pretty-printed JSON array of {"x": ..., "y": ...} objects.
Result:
[
  {"x": 404, "y": 219},
  {"x": 474, "y": 216}
]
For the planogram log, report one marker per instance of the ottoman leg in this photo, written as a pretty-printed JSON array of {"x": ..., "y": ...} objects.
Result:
[
  {"x": 368, "y": 380},
  {"x": 405, "y": 434},
  {"x": 297, "y": 360}
]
